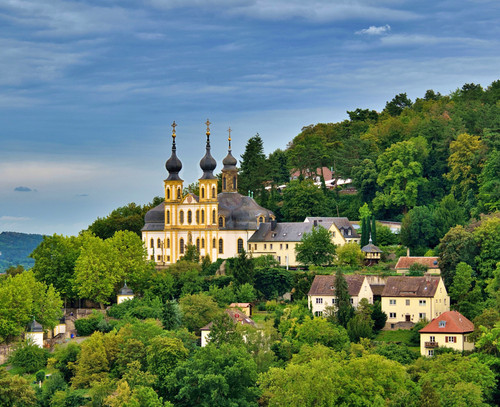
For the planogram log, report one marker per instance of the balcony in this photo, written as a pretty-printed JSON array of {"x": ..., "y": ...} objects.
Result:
[{"x": 431, "y": 344}]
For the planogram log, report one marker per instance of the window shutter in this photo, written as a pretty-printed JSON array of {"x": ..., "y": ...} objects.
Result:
[{"x": 446, "y": 339}]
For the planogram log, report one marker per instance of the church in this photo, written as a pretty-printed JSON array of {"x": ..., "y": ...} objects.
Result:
[{"x": 218, "y": 224}]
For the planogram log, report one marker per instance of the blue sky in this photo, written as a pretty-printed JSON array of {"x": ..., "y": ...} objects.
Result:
[{"x": 88, "y": 89}]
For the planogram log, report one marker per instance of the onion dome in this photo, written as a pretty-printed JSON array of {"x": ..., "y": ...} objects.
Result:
[
  {"x": 173, "y": 164},
  {"x": 208, "y": 163},
  {"x": 229, "y": 162},
  {"x": 35, "y": 326},
  {"x": 125, "y": 290}
]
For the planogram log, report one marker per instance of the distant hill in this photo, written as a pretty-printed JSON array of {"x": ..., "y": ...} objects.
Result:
[{"x": 15, "y": 249}]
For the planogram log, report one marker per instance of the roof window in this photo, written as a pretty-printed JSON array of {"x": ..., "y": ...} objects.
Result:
[{"x": 442, "y": 324}]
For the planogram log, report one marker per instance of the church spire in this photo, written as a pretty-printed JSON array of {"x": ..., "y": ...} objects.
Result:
[
  {"x": 208, "y": 163},
  {"x": 173, "y": 164},
  {"x": 229, "y": 171}
]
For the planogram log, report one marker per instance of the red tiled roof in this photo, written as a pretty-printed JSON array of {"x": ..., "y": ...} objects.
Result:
[
  {"x": 325, "y": 285},
  {"x": 238, "y": 317},
  {"x": 406, "y": 262},
  {"x": 403, "y": 286},
  {"x": 455, "y": 323}
]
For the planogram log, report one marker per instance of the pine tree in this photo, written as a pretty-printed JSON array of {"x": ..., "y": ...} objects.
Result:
[
  {"x": 345, "y": 310},
  {"x": 253, "y": 166},
  {"x": 374, "y": 231}
]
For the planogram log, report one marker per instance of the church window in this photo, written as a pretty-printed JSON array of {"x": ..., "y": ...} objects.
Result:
[
  {"x": 234, "y": 182},
  {"x": 203, "y": 216},
  {"x": 198, "y": 244},
  {"x": 197, "y": 216},
  {"x": 203, "y": 192},
  {"x": 190, "y": 238},
  {"x": 158, "y": 243},
  {"x": 168, "y": 193},
  {"x": 213, "y": 192},
  {"x": 190, "y": 217},
  {"x": 202, "y": 243},
  {"x": 240, "y": 245},
  {"x": 178, "y": 193},
  {"x": 214, "y": 243},
  {"x": 168, "y": 217},
  {"x": 221, "y": 221},
  {"x": 152, "y": 257},
  {"x": 221, "y": 246},
  {"x": 181, "y": 217},
  {"x": 214, "y": 217},
  {"x": 152, "y": 243},
  {"x": 181, "y": 246},
  {"x": 261, "y": 219},
  {"x": 168, "y": 243},
  {"x": 224, "y": 183}
]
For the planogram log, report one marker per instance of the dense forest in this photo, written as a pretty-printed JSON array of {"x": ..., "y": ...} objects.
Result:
[
  {"x": 15, "y": 249},
  {"x": 432, "y": 163}
]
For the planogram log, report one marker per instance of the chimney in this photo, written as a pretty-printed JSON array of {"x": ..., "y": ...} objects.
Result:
[
  {"x": 407, "y": 252},
  {"x": 315, "y": 223},
  {"x": 273, "y": 224}
]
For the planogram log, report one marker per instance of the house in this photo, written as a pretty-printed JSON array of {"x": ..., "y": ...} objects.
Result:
[
  {"x": 237, "y": 316},
  {"x": 451, "y": 330},
  {"x": 246, "y": 307},
  {"x": 280, "y": 239},
  {"x": 404, "y": 263},
  {"x": 322, "y": 292},
  {"x": 407, "y": 300}
]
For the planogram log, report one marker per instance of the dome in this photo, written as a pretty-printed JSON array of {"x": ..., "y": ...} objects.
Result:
[
  {"x": 125, "y": 290},
  {"x": 229, "y": 162},
  {"x": 173, "y": 166},
  {"x": 155, "y": 218},
  {"x": 241, "y": 212},
  {"x": 35, "y": 326},
  {"x": 208, "y": 163}
]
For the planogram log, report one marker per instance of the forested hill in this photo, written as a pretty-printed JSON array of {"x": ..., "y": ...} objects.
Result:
[{"x": 15, "y": 249}]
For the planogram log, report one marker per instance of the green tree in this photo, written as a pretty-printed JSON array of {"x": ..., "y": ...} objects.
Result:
[
  {"x": 302, "y": 199},
  {"x": 224, "y": 331},
  {"x": 320, "y": 331},
  {"x": 243, "y": 268},
  {"x": 379, "y": 317},
  {"x": 224, "y": 376},
  {"x": 489, "y": 184},
  {"x": 15, "y": 391},
  {"x": 345, "y": 311},
  {"x": 253, "y": 166},
  {"x": 29, "y": 357},
  {"x": 92, "y": 363},
  {"x": 465, "y": 163},
  {"x": 192, "y": 254},
  {"x": 418, "y": 230},
  {"x": 487, "y": 236},
  {"x": 396, "y": 106},
  {"x": 429, "y": 397},
  {"x": 400, "y": 175},
  {"x": 197, "y": 311},
  {"x": 316, "y": 247},
  {"x": 349, "y": 254},
  {"x": 364, "y": 178},
  {"x": 278, "y": 167},
  {"x": 462, "y": 282},
  {"x": 448, "y": 214},
  {"x": 272, "y": 282},
  {"x": 374, "y": 231}
]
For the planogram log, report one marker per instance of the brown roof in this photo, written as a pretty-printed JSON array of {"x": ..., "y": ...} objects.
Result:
[
  {"x": 377, "y": 289},
  {"x": 454, "y": 323},
  {"x": 406, "y": 262},
  {"x": 325, "y": 285},
  {"x": 238, "y": 317},
  {"x": 403, "y": 286}
]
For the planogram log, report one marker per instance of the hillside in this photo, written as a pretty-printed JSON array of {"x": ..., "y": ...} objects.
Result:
[{"x": 15, "y": 249}]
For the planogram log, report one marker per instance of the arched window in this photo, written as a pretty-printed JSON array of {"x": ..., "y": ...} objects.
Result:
[
  {"x": 190, "y": 238},
  {"x": 224, "y": 183},
  {"x": 221, "y": 221},
  {"x": 168, "y": 193},
  {"x": 203, "y": 216},
  {"x": 181, "y": 217},
  {"x": 198, "y": 244},
  {"x": 168, "y": 217},
  {"x": 240, "y": 245},
  {"x": 213, "y": 192},
  {"x": 234, "y": 182},
  {"x": 178, "y": 193},
  {"x": 152, "y": 243},
  {"x": 221, "y": 246},
  {"x": 214, "y": 243},
  {"x": 190, "y": 217},
  {"x": 181, "y": 246},
  {"x": 214, "y": 217},
  {"x": 158, "y": 243},
  {"x": 203, "y": 192},
  {"x": 168, "y": 243},
  {"x": 198, "y": 216},
  {"x": 202, "y": 243},
  {"x": 261, "y": 219}
]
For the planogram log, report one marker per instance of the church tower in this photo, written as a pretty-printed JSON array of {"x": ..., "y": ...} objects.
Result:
[
  {"x": 208, "y": 184},
  {"x": 173, "y": 184},
  {"x": 229, "y": 172}
]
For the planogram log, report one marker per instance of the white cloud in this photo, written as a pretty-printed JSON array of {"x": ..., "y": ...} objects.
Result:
[
  {"x": 14, "y": 218},
  {"x": 373, "y": 30}
]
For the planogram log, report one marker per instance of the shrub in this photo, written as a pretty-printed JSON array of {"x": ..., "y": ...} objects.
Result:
[
  {"x": 87, "y": 326},
  {"x": 40, "y": 376},
  {"x": 29, "y": 357}
]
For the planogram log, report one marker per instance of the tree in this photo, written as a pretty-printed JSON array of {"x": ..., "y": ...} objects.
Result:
[
  {"x": 272, "y": 282},
  {"x": 320, "y": 331},
  {"x": 278, "y": 167},
  {"x": 316, "y": 247},
  {"x": 55, "y": 259},
  {"x": 92, "y": 363},
  {"x": 418, "y": 230},
  {"x": 429, "y": 397},
  {"x": 243, "y": 268},
  {"x": 224, "y": 376},
  {"x": 448, "y": 214},
  {"x": 29, "y": 357},
  {"x": 396, "y": 106},
  {"x": 302, "y": 199},
  {"x": 465, "y": 163},
  {"x": 15, "y": 391},
  {"x": 349, "y": 254},
  {"x": 192, "y": 254},
  {"x": 400, "y": 174},
  {"x": 345, "y": 310},
  {"x": 487, "y": 236},
  {"x": 379, "y": 317},
  {"x": 253, "y": 166},
  {"x": 458, "y": 245},
  {"x": 374, "y": 231},
  {"x": 489, "y": 184},
  {"x": 197, "y": 311},
  {"x": 462, "y": 282},
  {"x": 364, "y": 178},
  {"x": 224, "y": 331}
]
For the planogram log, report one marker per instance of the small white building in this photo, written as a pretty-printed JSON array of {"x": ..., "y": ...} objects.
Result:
[
  {"x": 124, "y": 294},
  {"x": 35, "y": 333},
  {"x": 322, "y": 292}
]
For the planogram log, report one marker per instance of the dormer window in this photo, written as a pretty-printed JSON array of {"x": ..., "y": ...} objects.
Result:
[
  {"x": 260, "y": 219},
  {"x": 221, "y": 221},
  {"x": 442, "y": 324}
]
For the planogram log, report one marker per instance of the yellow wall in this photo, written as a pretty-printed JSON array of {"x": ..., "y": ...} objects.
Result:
[{"x": 460, "y": 345}]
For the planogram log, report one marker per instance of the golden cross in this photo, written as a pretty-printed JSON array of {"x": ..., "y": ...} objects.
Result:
[
  {"x": 174, "y": 125},
  {"x": 229, "y": 131},
  {"x": 208, "y": 126}
]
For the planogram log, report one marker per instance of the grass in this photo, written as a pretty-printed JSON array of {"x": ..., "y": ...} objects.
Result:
[
  {"x": 259, "y": 316},
  {"x": 399, "y": 336}
]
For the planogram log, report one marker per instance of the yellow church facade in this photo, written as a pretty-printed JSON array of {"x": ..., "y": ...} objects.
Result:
[{"x": 218, "y": 224}]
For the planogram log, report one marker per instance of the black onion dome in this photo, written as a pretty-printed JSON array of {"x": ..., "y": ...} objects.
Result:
[
  {"x": 173, "y": 165},
  {"x": 208, "y": 163},
  {"x": 125, "y": 290},
  {"x": 229, "y": 162},
  {"x": 35, "y": 326}
]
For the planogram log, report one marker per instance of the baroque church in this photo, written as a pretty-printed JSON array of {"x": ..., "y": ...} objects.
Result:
[{"x": 218, "y": 224}]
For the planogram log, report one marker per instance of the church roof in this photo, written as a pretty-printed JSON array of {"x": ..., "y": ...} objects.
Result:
[
  {"x": 155, "y": 218},
  {"x": 282, "y": 232},
  {"x": 241, "y": 212}
]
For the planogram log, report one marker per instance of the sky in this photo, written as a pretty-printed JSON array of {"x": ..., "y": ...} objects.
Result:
[{"x": 89, "y": 88}]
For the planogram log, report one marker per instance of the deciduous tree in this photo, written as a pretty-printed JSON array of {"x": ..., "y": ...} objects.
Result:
[{"x": 316, "y": 247}]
